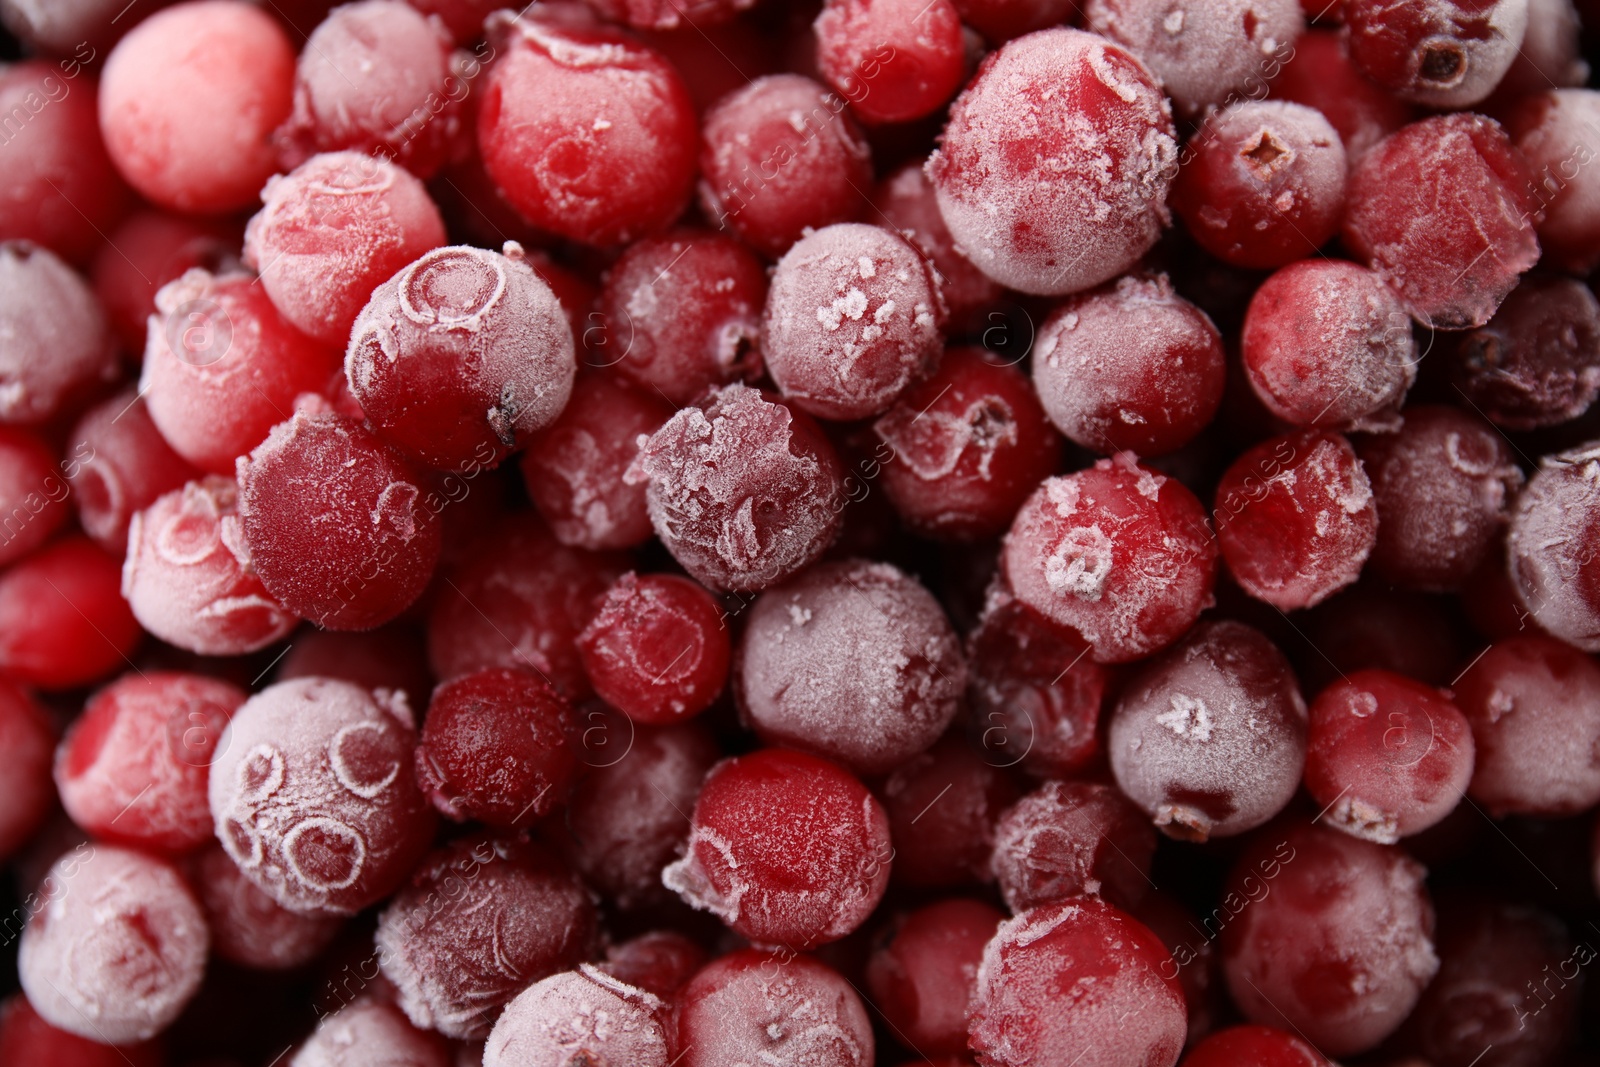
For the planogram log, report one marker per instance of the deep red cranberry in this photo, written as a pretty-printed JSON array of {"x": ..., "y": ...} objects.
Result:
[
  {"x": 1445, "y": 53},
  {"x": 923, "y": 977},
  {"x": 148, "y": 250},
  {"x": 63, "y": 622},
  {"x": 390, "y": 657},
  {"x": 248, "y": 927},
  {"x": 27, "y": 1038},
  {"x": 1001, "y": 20},
  {"x": 1071, "y": 839},
  {"x": 34, "y": 488},
  {"x": 1537, "y": 362},
  {"x": 1255, "y": 1045},
  {"x": 659, "y": 962}
]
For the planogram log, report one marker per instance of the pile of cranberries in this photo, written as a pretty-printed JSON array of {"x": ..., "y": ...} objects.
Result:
[{"x": 799, "y": 533}]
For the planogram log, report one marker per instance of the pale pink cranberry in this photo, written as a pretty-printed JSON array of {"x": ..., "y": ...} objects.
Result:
[
  {"x": 582, "y": 1016},
  {"x": 119, "y": 465},
  {"x": 790, "y": 1010},
  {"x": 371, "y": 1031}
]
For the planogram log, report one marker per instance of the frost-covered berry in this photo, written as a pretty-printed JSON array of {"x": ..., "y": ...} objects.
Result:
[
  {"x": 581, "y": 1016},
  {"x": 943, "y": 805},
  {"x": 248, "y": 927},
  {"x": 774, "y": 1008},
  {"x": 1442, "y": 53},
  {"x": 1551, "y": 553},
  {"x": 1070, "y": 839}
]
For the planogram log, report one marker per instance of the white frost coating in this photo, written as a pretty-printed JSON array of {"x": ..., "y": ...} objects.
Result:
[
  {"x": 118, "y": 948},
  {"x": 781, "y": 1010},
  {"x": 582, "y": 1016},
  {"x": 1553, "y": 541},
  {"x": 1089, "y": 197},
  {"x": 370, "y": 1033},
  {"x": 1187, "y": 717},
  {"x": 854, "y": 661}
]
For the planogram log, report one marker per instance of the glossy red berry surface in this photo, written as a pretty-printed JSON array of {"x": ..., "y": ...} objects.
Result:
[
  {"x": 33, "y": 493},
  {"x": 924, "y": 976},
  {"x": 894, "y": 60},
  {"x": 657, "y": 648}
]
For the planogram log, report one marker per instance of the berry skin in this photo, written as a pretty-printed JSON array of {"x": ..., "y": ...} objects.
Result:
[
  {"x": 1550, "y": 549},
  {"x": 657, "y": 648},
  {"x": 1322, "y": 77},
  {"x": 27, "y": 1038},
  {"x": 777, "y": 1008},
  {"x": 1553, "y": 131},
  {"x": 33, "y": 494},
  {"x": 894, "y": 60},
  {"x": 63, "y": 622},
  {"x": 248, "y": 927},
  {"x": 923, "y": 978}
]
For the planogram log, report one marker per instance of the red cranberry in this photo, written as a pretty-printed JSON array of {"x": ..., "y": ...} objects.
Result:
[
  {"x": 587, "y": 133},
  {"x": 312, "y": 795},
  {"x": 780, "y": 156},
  {"x": 189, "y": 101},
  {"x": 923, "y": 978},
  {"x": 1534, "y": 706},
  {"x": 461, "y": 356},
  {"x": 657, "y": 648},
  {"x": 581, "y": 1016},
  {"x": 1333, "y": 936},
  {"x": 1327, "y": 343},
  {"x": 26, "y": 1038},
  {"x": 248, "y": 927},
  {"x": 942, "y": 806},
  {"x": 1129, "y": 366},
  {"x": 1210, "y": 739},
  {"x": 58, "y": 348},
  {"x": 1117, "y": 553},
  {"x": 148, "y": 250},
  {"x": 1087, "y": 199},
  {"x": 1257, "y": 1046},
  {"x": 335, "y": 229},
  {"x": 116, "y": 950},
  {"x": 119, "y": 465},
  {"x": 776, "y": 1007},
  {"x": 659, "y": 962},
  {"x": 854, "y": 317},
  {"x": 1445, "y": 53},
  {"x": 1071, "y": 839},
  {"x": 1322, "y": 77},
  {"x": 1295, "y": 518},
  {"x": 390, "y": 657},
  {"x": 33, "y": 493},
  {"x": 371, "y": 1031},
  {"x": 854, "y": 661},
  {"x": 338, "y": 527},
  {"x": 965, "y": 448},
  {"x": 1443, "y": 210},
  {"x": 1387, "y": 756},
  {"x": 1535, "y": 363},
  {"x": 699, "y": 15},
  {"x": 27, "y": 744},
  {"x": 379, "y": 77},
  {"x": 519, "y": 601},
  {"x": 463, "y": 18},
  {"x": 1130, "y": 1009},
  {"x": 894, "y": 60},
  {"x": 1550, "y": 54},
  {"x": 1550, "y": 548},
  {"x": 684, "y": 311},
  {"x": 63, "y": 622},
  {"x": 786, "y": 849},
  {"x": 481, "y": 918},
  {"x": 1001, "y": 20},
  {"x": 1554, "y": 132},
  {"x": 905, "y": 201},
  {"x": 743, "y": 491}
]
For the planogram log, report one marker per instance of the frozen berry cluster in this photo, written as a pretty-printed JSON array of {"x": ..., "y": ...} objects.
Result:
[{"x": 746, "y": 533}]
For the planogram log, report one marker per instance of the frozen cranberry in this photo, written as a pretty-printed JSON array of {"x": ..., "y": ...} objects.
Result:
[
  {"x": 1554, "y": 131},
  {"x": 1550, "y": 549},
  {"x": 785, "y": 848},
  {"x": 248, "y": 927},
  {"x": 906, "y": 202},
  {"x": 369, "y": 1032},
  {"x": 1210, "y": 739},
  {"x": 1441, "y": 486},
  {"x": 658, "y": 962},
  {"x": 148, "y": 250},
  {"x": 133, "y": 767},
  {"x": 628, "y": 816},
  {"x": 481, "y": 919},
  {"x": 942, "y": 806},
  {"x": 780, "y": 156},
  {"x": 1001, "y": 20},
  {"x": 463, "y": 18},
  {"x": 59, "y": 189},
  {"x": 33, "y": 492},
  {"x": 119, "y": 464},
  {"x": 743, "y": 491},
  {"x": 1535, "y": 363},
  {"x": 1443, "y": 210},
  {"x": 588, "y": 133},
  {"x": 774, "y": 1008},
  {"x": 1087, "y": 198},
  {"x": 1443, "y": 53},
  {"x": 338, "y": 527},
  {"x": 698, "y": 15},
  {"x": 684, "y": 312},
  {"x": 390, "y": 657},
  {"x": 63, "y": 622},
  {"x": 1127, "y": 1006},
  {"x": 26, "y": 1038},
  {"x": 335, "y": 229},
  {"x": 657, "y": 648},
  {"x": 1320, "y": 76},
  {"x": 27, "y": 742},
  {"x": 1117, "y": 554},
  {"x": 1262, "y": 184},
  {"x": 117, "y": 947},
  {"x": 1295, "y": 518},
  {"x": 1068, "y": 839},
  {"x": 894, "y": 60},
  {"x": 519, "y": 601},
  {"x": 379, "y": 77},
  {"x": 924, "y": 977},
  {"x": 312, "y": 795},
  {"x": 460, "y": 356},
  {"x": 1253, "y": 1046},
  {"x": 222, "y": 367},
  {"x": 1327, "y": 343},
  {"x": 1502, "y": 993},
  {"x": 854, "y": 317},
  {"x": 965, "y": 447},
  {"x": 498, "y": 747},
  {"x": 58, "y": 348},
  {"x": 1387, "y": 756},
  {"x": 574, "y": 467},
  {"x": 189, "y": 578},
  {"x": 1205, "y": 52},
  {"x": 581, "y": 1016},
  {"x": 189, "y": 100},
  {"x": 1194, "y": 955},
  {"x": 1131, "y": 365},
  {"x": 1332, "y": 937},
  {"x": 1550, "y": 55},
  {"x": 1534, "y": 706}
]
